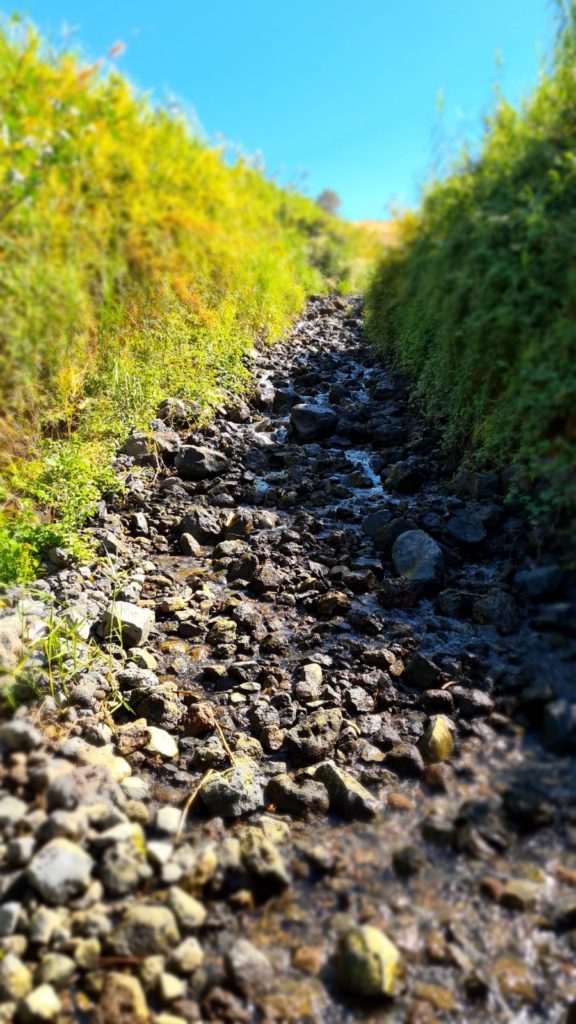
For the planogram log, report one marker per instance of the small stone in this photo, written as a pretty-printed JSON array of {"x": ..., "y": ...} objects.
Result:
[
  {"x": 12, "y": 810},
  {"x": 127, "y": 622},
  {"x": 234, "y": 792},
  {"x": 315, "y": 737},
  {"x": 122, "y": 999},
  {"x": 19, "y": 735},
  {"x": 15, "y": 978},
  {"x": 347, "y": 796},
  {"x": 405, "y": 759},
  {"x": 145, "y": 929},
  {"x": 170, "y": 987},
  {"x": 298, "y": 798},
  {"x": 472, "y": 702},
  {"x": 168, "y": 820},
  {"x": 41, "y": 1005},
  {"x": 161, "y": 742},
  {"x": 187, "y": 957},
  {"x": 520, "y": 894},
  {"x": 437, "y": 743},
  {"x": 330, "y": 604},
  {"x": 263, "y": 862},
  {"x": 249, "y": 970},
  {"x": 9, "y": 915},
  {"x": 366, "y": 962},
  {"x": 60, "y": 871},
  {"x": 43, "y": 924},
  {"x": 189, "y": 912},
  {"x": 56, "y": 969},
  {"x": 201, "y": 719},
  {"x": 189, "y": 546}
]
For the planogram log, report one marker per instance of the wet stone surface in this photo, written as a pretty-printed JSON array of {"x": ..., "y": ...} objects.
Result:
[{"x": 315, "y": 761}]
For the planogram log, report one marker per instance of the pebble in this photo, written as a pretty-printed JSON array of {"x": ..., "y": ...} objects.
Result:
[
  {"x": 60, "y": 871},
  {"x": 366, "y": 962}
]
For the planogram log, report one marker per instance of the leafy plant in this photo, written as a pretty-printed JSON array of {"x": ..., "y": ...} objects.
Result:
[
  {"x": 477, "y": 302},
  {"x": 136, "y": 263}
]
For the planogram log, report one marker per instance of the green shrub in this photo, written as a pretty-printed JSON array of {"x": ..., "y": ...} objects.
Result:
[
  {"x": 135, "y": 263},
  {"x": 477, "y": 303}
]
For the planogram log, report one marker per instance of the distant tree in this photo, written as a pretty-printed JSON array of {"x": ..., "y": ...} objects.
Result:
[{"x": 329, "y": 201}]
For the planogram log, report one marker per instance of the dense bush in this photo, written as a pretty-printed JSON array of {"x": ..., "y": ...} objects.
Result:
[
  {"x": 478, "y": 301},
  {"x": 135, "y": 263}
]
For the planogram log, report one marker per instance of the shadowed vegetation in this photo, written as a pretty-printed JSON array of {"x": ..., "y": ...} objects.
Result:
[
  {"x": 135, "y": 263},
  {"x": 477, "y": 302}
]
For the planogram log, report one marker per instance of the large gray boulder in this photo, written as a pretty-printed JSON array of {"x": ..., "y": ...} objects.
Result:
[
  {"x": 311, "y": 422},
  {"x": 417, "y": 557},
  {"x": 195, "y": 462}
]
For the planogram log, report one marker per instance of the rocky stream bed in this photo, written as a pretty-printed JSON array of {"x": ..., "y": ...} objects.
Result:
[{"x": 302, "y": 746}]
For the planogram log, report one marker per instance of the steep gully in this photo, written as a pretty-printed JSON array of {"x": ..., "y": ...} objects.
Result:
[{"x": 362, "y": 678}]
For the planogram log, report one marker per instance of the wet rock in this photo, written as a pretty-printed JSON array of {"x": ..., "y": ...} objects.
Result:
[
  {"x": 127, "y": 622},
  {"x": 404, "y": 478},
  {"x": 235, "y": 792},
  {"x": 560, "y": 727},
  {"x": 312, "y": 422},
  {"x": 347, "y": 796},
  {"x": 249, "y": 970},
  {"x": 203, "y": 525},
  {"x": 421, "y": 673},
  {"x": 405, "y": 759},
  {"x": 417, "y": 557},
  {"x": 472, "y": 702},
  {"x": 376, "y": 521},
  {"x": 263, "y": 862},
  {"x": 195, "y": 462},
  {"x": 60, "y": 871},
  {"x": 297, "y": 798},
  {"x": 315, "y": 737},
  {"x": 541, "y": 582},
  {"x": 366, "y": 962},
  {"x": 466, "y": 529},
  {"x": 190, "y": 546},
  {"x": 498, "y": 609},
  {"x": 520, "y": 894},
  {"x": 145, "y": 930},
  {"x": 332, "y": 603},
  {"x": 387, "y": 533},
  {"x": 437, "y": 743}
]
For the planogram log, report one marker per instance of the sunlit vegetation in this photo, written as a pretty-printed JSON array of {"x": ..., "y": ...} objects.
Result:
[
  {"x": 477, "y": 302},
  {"x": 136, "y": 263}
]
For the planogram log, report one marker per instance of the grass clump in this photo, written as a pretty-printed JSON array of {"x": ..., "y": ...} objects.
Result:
[
  {"x": 135, "y": 264},
  {"x": 477, "y": 302}
]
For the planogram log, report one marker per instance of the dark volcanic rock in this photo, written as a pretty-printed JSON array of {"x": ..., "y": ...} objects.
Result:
[
  {"x": 194, "y": 462},
  {"x": 311, "y": 422}
]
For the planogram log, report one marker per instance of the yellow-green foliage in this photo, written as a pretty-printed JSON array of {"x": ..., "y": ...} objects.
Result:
[
  {"x": 135, "y": 263},
  {"x": 478, "y": 301}
]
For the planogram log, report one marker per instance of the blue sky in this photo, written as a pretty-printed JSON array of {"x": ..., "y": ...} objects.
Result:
[{"x": 330, "y": 93}]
